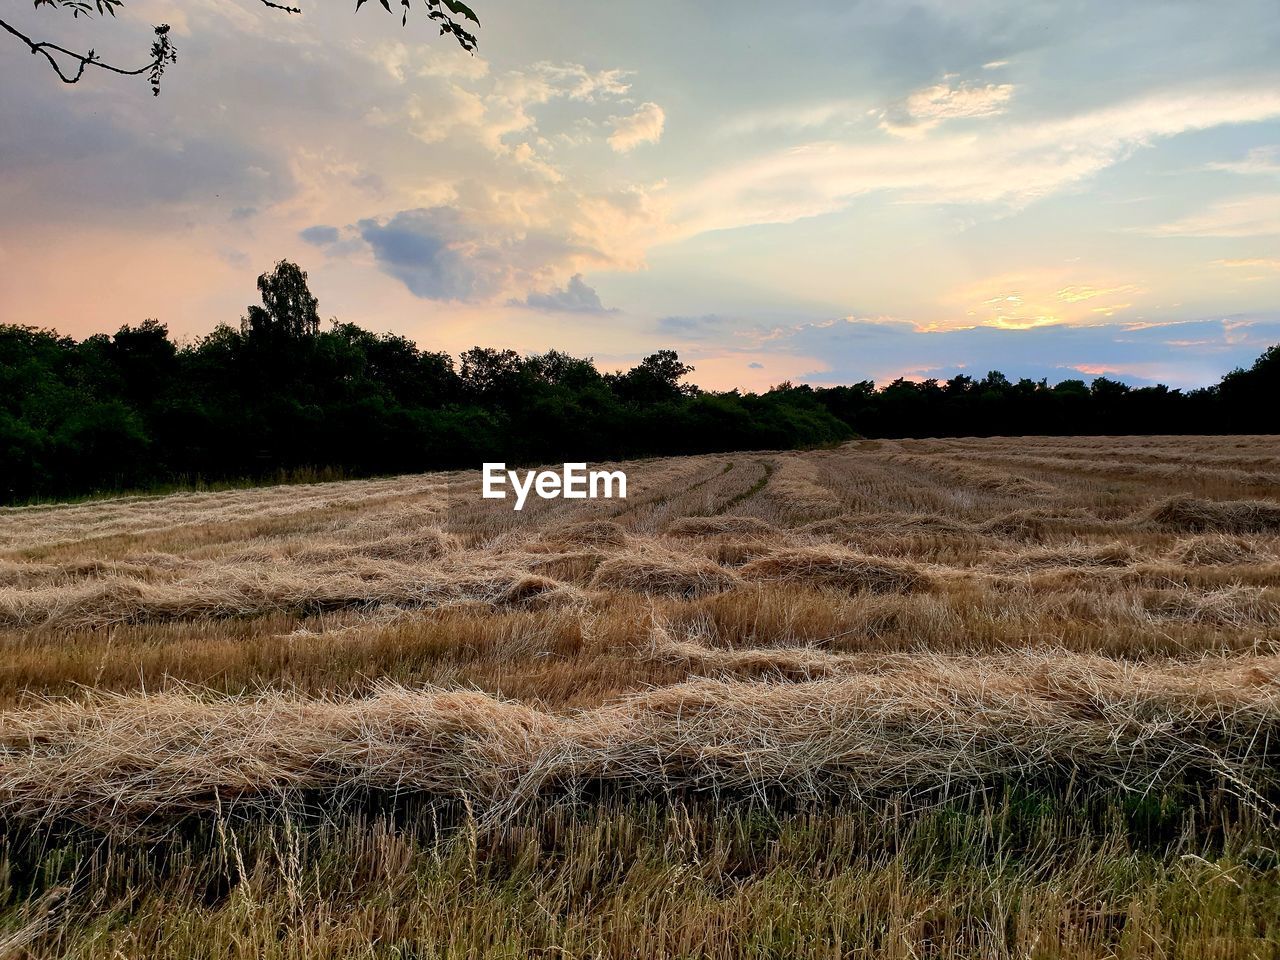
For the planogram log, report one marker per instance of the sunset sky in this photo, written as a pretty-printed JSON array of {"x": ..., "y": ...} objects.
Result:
[{"x": 813, "y": 191}]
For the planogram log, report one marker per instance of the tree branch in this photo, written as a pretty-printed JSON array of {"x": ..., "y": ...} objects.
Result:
[
  {"x": 70, "y": 66},
  {"x": 162, "y": 54}
]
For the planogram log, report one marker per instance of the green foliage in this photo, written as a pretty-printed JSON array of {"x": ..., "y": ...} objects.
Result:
[
  {"x": 656, "y": 379},
  {"x": 1251, "y": 395},
  {"x": 288, "y": 308},
  {"x": 281, "y": 396}
]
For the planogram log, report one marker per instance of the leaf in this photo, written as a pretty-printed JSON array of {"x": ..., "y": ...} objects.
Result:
[{"x": 461, "y": 9}]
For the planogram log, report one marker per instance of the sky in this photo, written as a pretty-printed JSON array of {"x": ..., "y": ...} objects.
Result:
[{"x": 823, "y": 192}]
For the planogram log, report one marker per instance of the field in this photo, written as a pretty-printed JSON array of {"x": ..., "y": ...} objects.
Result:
[{"x": 941, "y": 698}]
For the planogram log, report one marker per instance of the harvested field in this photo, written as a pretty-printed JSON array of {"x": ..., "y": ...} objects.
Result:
[{"x": 1001, "y": 697}]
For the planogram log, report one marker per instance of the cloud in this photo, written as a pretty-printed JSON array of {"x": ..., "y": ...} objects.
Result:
[
  {"x": 643, "y": 126},
  {"x": 425, "y": 250},
  {"x": 914, "y": 116},
  {"x": 793, "y": 117},
  {"x": 1266, "y": 263},
  {"x": 463, "y": 178},
  {"x": 1039, "y": 297},
  {"x": 501, "y": 209},
  {"x": 755, "y": 365},
  {"x": 75, "y": 164},
  {"x": 575, "y": 297},
  {"x": 428, "y": 60},
  {"x": 498, "y": 110},
  {"x": 1253, "y": 216},
  {"x": 454, "y": 111},
  {"x": 927, "y": 108},
  {"x": 1012, "y": 164},
  {"x": 1184, "y": 354},
  {"x": 579, "y": 83},
  {"x": 319, "y": 236},
  {"x": 708, "y": 326},
  {"x": 1260, "y": 161},
  {"x": 474, "y": 250},
  {"x": 1076, "y": 293}
]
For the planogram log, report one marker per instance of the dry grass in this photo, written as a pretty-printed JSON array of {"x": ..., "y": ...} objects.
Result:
[
  {"x": 1113, "y": 554},
  {"x": 1035, "y": 523},
  {"x": 796, "y": 663},
  {"x": 87, "y": 588},
  {"x": 930, "y": 724},
  {"x": 1230, "y": 516},
  {"x": 874, "y": 624},
  {"x": 666, "y": 574},
  {"x": 731, "y": 525},
  {"x": 834, "y": 567},
  {"x": 1215, "y": 550},
  {"x": 587, "y": 533}
]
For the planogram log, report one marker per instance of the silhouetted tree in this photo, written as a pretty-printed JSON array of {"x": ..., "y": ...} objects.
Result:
[
  {"x": 490, "y": 375},
  {"x": 1254, "y": 393},
  {"x": 146, "y": 360},
  {"x": 655, "y": 379},
  {"x": 288, "y": 310}
]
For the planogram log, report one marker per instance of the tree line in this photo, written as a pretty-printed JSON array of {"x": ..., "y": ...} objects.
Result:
[{"x": 279, "y": 396}]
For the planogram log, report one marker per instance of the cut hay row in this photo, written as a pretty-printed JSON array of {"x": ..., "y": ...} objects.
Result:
[
  {"x": 999, "y": 482},
  {"x": 168, "y": 588},
  {"x": 1024, "y": 524},
  {"x": 687, "y": 576},
  {"x": 797, "y": 491},
  {"x": 1113, "y": 554},
  {"x": 1228, "y": 516},
  {"x": 1036, "y": 523},
  {"x": 937, "y": 724},
  {"x": 252, "y": 589},
  {"x": 1217, "y": 550},
  {"x": 834, "y": 567},
  {"x": 139, "y": 516},
  {"x": 1185, "y": 453},
  {"x": 586, "y": 533},
  {"x": 700, "y": 659},
  {"x": 1128, "y": 468},
  {"x": 723, "y": 525},
  {"x": 1237, "y": 606}
]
